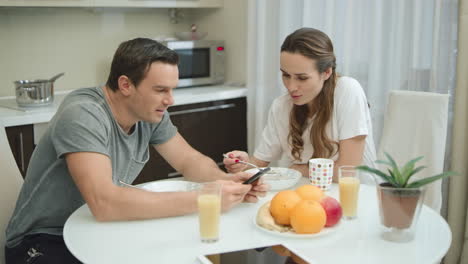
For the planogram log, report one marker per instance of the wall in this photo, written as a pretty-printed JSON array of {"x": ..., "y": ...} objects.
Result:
[
  {"x": 228, "y": 23},
  {"x": 41, "y": 42}
]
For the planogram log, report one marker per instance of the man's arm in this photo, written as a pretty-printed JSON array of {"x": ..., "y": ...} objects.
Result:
[
  {"x": 198, "y": 167},
  {"x": 92, "y": 173},
  {"x": 188, "y": 161},
  {"x": 109, "y": 202}
]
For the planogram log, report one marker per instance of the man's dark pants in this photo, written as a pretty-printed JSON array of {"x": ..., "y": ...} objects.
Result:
[{"x": 40, "y": 249}]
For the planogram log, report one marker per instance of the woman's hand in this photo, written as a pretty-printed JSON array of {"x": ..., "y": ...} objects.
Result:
[{"x": 232, "y": 161}]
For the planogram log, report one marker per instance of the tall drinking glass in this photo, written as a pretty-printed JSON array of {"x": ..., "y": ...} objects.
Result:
[
  {"x": 349, "y": 191},
  {"x": 209, "y": 210}
]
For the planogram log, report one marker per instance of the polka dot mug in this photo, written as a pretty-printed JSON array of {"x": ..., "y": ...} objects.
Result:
[{"x": 321, "y": 173}]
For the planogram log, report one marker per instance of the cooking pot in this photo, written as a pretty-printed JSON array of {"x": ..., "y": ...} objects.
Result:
[{"x": 30, "y": 93}]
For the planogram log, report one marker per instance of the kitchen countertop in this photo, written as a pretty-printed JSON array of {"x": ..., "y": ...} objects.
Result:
[{"x": 10, "y": 117}]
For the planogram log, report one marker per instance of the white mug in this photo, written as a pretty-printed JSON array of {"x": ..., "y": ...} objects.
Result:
[{"x": 321, "y": 173}]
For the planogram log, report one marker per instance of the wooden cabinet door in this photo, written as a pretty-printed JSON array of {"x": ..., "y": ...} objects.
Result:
[
  {"x": 212, "y": 128},
  {"x": 21, "y": 139}
]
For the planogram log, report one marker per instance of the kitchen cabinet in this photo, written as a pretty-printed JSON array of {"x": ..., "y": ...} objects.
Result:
[
  {"x": 21, "y": 140},
  {"x": 114, "y": 3},
  {"x": 158, "y": 3},
  {"x": 212, "y": 128},
  {"x": 47, "y": 3}
]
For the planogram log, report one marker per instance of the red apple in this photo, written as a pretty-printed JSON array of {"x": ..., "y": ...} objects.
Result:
[{"x": 332, "y": 209}]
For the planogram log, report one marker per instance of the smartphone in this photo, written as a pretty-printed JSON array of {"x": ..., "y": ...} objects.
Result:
[{"x": 257, "y": 175}]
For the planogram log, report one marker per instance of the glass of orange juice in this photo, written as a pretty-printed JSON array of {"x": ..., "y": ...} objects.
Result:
[
  {"x": 349, "y": 191},
  {"x": 209, "y": 210}
]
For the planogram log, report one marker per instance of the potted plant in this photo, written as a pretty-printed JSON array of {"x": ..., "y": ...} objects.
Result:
[{"x": 400, "y": 198}]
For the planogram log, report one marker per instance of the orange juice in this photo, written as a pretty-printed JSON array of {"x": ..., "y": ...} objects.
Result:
[
  {"x": 209, "y": 209},
  {"x": 349, "y": 192}
]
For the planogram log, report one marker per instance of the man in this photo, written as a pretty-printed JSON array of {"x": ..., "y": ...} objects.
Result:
[{"x": 100, "y": 136}]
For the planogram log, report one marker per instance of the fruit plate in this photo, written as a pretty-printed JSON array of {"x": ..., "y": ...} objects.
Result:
[
  {"x": 324, "y": 232},
  {"x": 279, "y": 178}
]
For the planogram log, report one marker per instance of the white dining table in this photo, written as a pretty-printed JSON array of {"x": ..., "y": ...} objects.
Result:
[{"x": 176, "y": 239}]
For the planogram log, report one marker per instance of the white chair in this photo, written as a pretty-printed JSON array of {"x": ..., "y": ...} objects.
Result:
[
  {"x": 9, "y": 187},
  {"x": 416, "y": 125}
]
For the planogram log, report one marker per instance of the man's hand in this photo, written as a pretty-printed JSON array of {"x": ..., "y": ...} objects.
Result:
[
  {"x": 259, "y": 188},
  {"x": 233, "y": 193}
]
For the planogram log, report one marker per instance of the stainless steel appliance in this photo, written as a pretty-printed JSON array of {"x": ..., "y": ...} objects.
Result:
[
  {"x": 32, "y": 93},
  {"x": 201, "y": 62}
]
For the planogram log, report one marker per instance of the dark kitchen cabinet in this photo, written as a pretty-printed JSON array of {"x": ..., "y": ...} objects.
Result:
[
  {"x": 212, "y": 128},
  {"x": 21, "y": 139}
]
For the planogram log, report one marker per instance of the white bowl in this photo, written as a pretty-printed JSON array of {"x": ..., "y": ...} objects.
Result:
[
  {"x": 191, "y": 35},
  {"x": 280, "y": 178},
  {"x": 167, "y": 186}
]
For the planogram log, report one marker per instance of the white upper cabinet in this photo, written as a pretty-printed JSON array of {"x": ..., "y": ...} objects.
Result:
[
  {"x": 158, "y": 3},
  {"x": 45, "y": 3},
  {"x": 113, "y": 3}
]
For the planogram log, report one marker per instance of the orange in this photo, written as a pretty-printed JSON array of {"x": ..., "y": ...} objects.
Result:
[
  {"x": 308, "y": 217},
  {"x": 310, "y": 192},
  {"x": 281, "y": 205}
]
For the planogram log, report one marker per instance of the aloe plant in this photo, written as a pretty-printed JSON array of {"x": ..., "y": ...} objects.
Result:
[{"x": 399, "y": 177}]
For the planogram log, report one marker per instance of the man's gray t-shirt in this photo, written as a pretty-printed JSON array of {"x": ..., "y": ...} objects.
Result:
[{"x": 83, "y": 122}]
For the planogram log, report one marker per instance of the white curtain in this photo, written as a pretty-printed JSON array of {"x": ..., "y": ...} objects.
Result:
[{"x": 385, "y": 45}]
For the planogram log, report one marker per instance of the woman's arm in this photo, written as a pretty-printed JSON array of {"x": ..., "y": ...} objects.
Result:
[
  {"x": 350, "y": 153},
  {"x": 232, "y": 164},
  {"x": 302, "y": 168}
]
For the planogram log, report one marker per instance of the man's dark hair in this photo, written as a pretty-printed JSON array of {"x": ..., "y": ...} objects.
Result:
[{"x": 133, "y": 59}]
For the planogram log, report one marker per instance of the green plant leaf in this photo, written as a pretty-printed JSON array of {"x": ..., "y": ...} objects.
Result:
[
  {"x": 396, "y": 171},
  {"x": 414, "y": 172},
  {"x": 428, "y": 180},
  {"x": 394, "y": 181},
  {"x": 391, "y": 160},
  {"x": 406, "y": 171},
  {"x": 384, "y": 162},
  {"x": 384, "y": 176}
]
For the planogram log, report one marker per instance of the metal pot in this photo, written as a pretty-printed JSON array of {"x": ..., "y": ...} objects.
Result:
[{"x": 30, "y": 93}]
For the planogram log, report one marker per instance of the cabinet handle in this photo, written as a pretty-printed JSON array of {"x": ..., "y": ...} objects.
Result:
[
  {"x": 202, "y": 109},
  {"x": 21, "y": 151}
]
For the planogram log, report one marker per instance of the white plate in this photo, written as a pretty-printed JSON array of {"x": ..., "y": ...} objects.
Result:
[
  {"x": 280, "y": 178},
  {"x": 167, "y": 186},
  {"x": 324, "y": 232}
]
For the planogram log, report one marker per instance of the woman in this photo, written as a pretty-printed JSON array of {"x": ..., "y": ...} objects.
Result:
[{"x": 323, "y": 115}]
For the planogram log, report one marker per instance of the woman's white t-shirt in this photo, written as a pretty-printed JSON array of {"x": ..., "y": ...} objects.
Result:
[{"x": 351, "y": 118}]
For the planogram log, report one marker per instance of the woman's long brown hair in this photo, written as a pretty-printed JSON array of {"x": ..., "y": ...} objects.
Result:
[{"x": 316, "y": 45}]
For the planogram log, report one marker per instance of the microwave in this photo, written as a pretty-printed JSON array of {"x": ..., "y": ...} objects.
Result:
[{"x": 201, "y": 62}]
